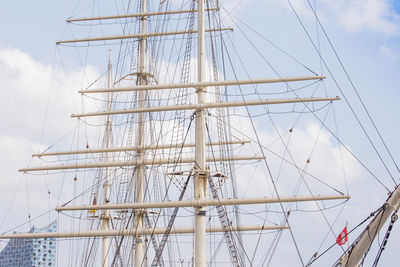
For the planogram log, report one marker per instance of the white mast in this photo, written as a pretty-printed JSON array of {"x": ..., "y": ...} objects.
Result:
[
  {"x": 200, "y": 161},
  {"x": 140, "y": 142},
  {"x": 106, "y": 213},
  {"x": 357, "y": 250}
]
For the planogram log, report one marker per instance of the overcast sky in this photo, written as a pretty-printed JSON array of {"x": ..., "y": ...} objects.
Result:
[{"x": 365, "y": 33}]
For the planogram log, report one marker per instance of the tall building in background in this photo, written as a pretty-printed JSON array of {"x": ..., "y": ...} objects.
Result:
[{"x": 31, "y": 252}]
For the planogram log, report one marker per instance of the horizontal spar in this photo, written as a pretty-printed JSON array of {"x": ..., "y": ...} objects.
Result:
[
  {"x": 206, "y": 106},
  {"x": 201, "y": 84},
  {"x": 134, "y": 232},
  {"x": 131, "y": 163},
  {"x": 139, "y": 15},
  {"x": 138, "y": 36},
  {"x": 202, "y": 203},
  {"x": 126, "y": 149}
]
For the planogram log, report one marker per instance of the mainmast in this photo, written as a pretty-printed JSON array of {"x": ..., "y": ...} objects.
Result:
[
  {"x": 200, "y": 162},
  {"x": 140, "y": 142}
]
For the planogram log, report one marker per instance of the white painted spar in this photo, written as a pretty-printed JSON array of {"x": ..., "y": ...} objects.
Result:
[
  {"x": 202, "y": 84},
  {"x": 204, "y": 202},
  {"x": 134, "y": 232},
  {"x": 203, "y": 106}
]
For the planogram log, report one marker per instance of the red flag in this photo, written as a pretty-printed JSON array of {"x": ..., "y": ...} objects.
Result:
[{"x": 342, "y": 238}]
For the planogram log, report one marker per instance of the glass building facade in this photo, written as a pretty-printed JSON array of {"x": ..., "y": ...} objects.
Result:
[{"x": 31, "y": 252}]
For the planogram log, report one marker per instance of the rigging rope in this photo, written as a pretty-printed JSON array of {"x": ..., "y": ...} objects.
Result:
[
  {"x": 306, "y": 106},
  {"x": 169, "y": 184},
  {"x": 354, "y": 88},
  {"x": 270, "y": 42},
  {"x": 268, "y": 168},
  {"x": 384, "y": 242},
  {"x": 344, "y": 96},
  {"x": 321, "y": 121},
  {"x": 372, "y": 214},
  {"x": 164, "y": 239}
]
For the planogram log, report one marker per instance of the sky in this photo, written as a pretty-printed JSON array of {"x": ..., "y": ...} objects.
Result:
[{"x": 39, "y": 90}]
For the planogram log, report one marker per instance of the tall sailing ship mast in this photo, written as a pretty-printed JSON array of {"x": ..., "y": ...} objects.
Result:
[{"x": 200, "y": 167}]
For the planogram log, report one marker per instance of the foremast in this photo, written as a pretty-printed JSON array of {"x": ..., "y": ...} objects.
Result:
[{"x": 355, "y": 253}]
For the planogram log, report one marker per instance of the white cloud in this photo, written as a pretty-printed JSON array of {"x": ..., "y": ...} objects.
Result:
[
  {"x": 389, "y": 52},
  {"x": 29, "y": 88},
  {"x": 353, "y": 15},
  {"x": 26, "y": 96},
  {"x": 325, "y": 164},
  {"x": 376, "y": 15},
  {"x": 328, "y": 161},
  {"x": 326, "y": 155}
]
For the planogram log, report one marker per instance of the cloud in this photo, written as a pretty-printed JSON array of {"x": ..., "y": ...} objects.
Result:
[
  {"x": 378, "y": 16},
  {"x": 375, "y": 15},
  {"x": 30, "y": 89},
  {"x": 328, "y": 161},
  {"x": 389, "y": 52}
]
